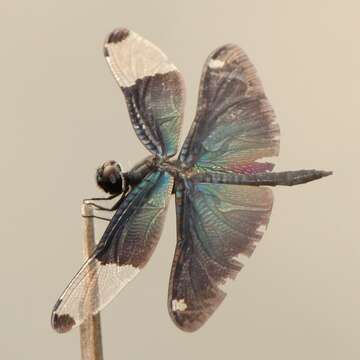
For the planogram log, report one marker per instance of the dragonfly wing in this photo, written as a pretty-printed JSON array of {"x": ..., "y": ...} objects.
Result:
[
  {"x": 123, "y": 251},
  {"x": 217, "y": 225},
  {"x": 153, "y": 89},
  {"x": 234, "y": 124}
]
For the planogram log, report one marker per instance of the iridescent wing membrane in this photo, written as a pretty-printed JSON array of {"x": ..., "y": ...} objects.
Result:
[
  {"x": 154, "y": 93},
  {"x": 123, "y": 251},
  {"x": 217, "y": 223},
  {"x": 153, "y": 89},
  {"x": 234, "y": 124}
]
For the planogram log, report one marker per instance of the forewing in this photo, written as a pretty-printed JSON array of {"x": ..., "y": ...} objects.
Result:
[
  {"x": 218, "y": 225},
  {"x": 234, "y": 124},
  {"x": 153, "y": 89},
  {"x": 123, "y": 251}
]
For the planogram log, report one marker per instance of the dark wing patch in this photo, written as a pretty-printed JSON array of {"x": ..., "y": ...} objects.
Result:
[
  {"x": 217, "y": 225},
  {"x": 234, "y": 124},
  {"x": 153, "y": 89},
  {"x": 124, "y": 249}
]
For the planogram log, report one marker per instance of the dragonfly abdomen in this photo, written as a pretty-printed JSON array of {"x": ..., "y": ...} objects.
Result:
[{"x": 286, "y": 178}]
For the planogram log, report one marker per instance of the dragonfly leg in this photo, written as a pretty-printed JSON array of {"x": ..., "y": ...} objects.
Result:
[
  {"x": 95, "y": 217},
  {"x": 102, "y": 198},
  {"x": 112, "y": 208}
]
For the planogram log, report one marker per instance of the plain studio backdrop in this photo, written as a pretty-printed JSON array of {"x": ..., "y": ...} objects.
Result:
[{"x": 62, "y": 115}]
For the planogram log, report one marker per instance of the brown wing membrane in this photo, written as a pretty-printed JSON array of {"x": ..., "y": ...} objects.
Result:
[
  {"x": 234, "y": 124},
  {"x": 153, "y": 89},
  {"x": 217, "y": 224},
  {"x": 123, "y": 251}
]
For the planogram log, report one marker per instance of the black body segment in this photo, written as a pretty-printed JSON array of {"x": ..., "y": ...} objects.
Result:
[
  {"x": 153, "y": 89},
  {"x": 124, "y": 249},
  {"x": 234, "y": 124},
  {"x": 285, "y": 178},
  {"x": 140, "y": 170}
]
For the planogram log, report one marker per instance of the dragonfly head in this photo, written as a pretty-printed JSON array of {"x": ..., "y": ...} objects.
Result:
[{"x": 110, "y": 177}]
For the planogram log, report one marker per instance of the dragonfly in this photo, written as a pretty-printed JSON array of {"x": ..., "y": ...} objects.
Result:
[{"x": 221, "y": 180}]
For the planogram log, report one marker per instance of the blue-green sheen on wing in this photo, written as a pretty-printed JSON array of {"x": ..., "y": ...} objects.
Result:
[
  {"x": 125, "y": 248},
  {"x": 153, "y": 89},
  {"x": 133, "y": 233},
  {"x": 234, "y": 124},
  {"x": 217, "y": 224}
]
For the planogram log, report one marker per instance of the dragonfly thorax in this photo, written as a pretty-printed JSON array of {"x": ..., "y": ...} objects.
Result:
[{"x": 110, "y": 177}]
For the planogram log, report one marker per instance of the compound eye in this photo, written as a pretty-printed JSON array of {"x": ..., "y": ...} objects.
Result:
[
  {"x": 109, "y": 177},
  {"x": 112, "y": 173}
]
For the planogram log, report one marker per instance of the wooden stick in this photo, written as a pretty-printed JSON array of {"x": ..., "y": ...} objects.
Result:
[{"x": 90, "y": 330}]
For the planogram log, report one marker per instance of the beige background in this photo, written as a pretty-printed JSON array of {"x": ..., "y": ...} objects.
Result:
[{"x": 62, "y": 114}]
